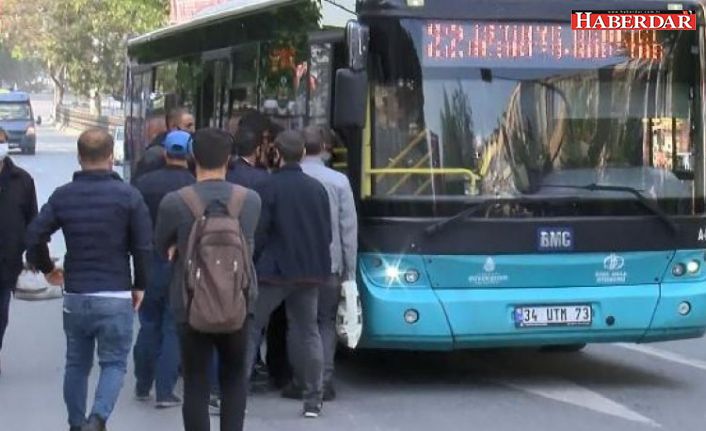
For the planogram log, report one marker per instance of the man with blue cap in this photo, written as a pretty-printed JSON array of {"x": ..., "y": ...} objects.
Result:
[{"x": 156, "y": 351}]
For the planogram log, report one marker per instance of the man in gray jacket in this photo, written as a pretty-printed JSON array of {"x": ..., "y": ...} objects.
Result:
[
  {"x": 344, "y": 249},
  {"x": 211, "y": 150}
]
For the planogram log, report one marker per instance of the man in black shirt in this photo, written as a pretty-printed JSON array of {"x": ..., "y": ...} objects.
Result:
[
  {"x": 156, "y": 352},
  {"x": 243, "y": 169}
]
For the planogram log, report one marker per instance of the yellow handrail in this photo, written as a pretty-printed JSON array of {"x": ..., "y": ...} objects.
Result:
[
  {"x": 421, "y": 188},
  {"x": 423, "y": 171},
  {"x": 412, "y": 144},
  {"x": 472, "y": 176},
  {"x": 404, "y": 178}
]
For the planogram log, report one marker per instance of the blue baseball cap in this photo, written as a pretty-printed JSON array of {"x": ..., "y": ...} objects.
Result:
[{"x": 178, "y": 144}]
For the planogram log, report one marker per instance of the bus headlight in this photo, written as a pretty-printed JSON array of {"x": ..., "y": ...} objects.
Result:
[
  {"x": 392, "y": 274},
  {"x": 693, "y": 267},
  {"x": 30, "y": 131},
  {"x": 678, "y": 270}
]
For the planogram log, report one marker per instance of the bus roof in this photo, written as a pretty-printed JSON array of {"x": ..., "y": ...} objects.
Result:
[
  {"x": 332, "y": 15},
  {"x": 13, "y": 96},
  {"x": 226, "y": 10}
]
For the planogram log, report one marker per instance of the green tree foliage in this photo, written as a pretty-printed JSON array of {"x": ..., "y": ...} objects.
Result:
[
  {"x": 81, "y": 42},
  {"x": 24, "y": 73},
  {"x": 457, "y": 130},
  {"x": 287, "y": 47}
]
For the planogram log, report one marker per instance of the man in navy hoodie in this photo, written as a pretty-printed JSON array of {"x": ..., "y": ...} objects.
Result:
[
  {"x": 104, "y": 222},
  {"x": 294, "y": 260}
]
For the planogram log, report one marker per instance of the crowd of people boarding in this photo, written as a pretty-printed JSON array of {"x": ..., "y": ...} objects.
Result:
[{"x": 222, "y": 242}]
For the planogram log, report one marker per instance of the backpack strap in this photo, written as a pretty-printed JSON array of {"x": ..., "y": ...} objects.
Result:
[
  {"x": 193, "y": 201},
  {"x": 236, "y": 201}
]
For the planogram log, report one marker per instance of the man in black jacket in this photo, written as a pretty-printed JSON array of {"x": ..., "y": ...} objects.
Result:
[
  {"x": 153, "y": 157},
  {"x": 104, "y": 222},
  {"x": 243, "y": 169},
  {"x": 294, "y": 260},
  {"x": 18, "y": 207},
  {"x": 156, "y": 351}
]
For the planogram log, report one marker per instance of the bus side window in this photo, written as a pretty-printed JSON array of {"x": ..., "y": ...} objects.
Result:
[
  {"x": 320, "y": 80},
  {"x": 242, "y": 93}
]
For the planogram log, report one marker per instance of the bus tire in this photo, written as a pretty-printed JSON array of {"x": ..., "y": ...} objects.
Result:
[{"x": 563, "y": 348}]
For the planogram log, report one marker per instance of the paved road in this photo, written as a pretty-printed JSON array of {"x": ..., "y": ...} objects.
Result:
[{"x": 606, "y": 387}]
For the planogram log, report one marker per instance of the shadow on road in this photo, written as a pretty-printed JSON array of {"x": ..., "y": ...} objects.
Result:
[{"x": 367, "y": 369}]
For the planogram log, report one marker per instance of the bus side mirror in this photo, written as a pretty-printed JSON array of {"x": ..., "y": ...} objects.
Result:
[
  {"x": 39, "y": 120},
  {"x": 351, "y": 99}
]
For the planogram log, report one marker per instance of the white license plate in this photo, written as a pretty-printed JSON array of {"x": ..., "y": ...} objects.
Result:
[{"x": 553, "y": 315}]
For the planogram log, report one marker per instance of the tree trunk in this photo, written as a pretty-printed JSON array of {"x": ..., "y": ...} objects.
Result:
[
  {"x": 59, "y": 90},
  {"x": 58, "y": 98},
  {"x": 96, "y": 103}
]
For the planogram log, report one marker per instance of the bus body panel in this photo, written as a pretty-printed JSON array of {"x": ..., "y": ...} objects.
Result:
[
  {"x": 463, "y": 317},
  {"x": 485, "y": 317},
  {"x": 383, "y": 321},
  {"x": 668, "y": 323},
  {"x": 549, "y": 270}
]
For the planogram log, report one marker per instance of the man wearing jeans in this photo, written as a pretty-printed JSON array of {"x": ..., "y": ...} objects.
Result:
[
  {"x": 104, "y": 222},
  {"x": 157, "y": 348}
]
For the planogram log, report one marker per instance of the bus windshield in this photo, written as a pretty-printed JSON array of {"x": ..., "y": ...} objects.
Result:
[
  {"x": 517, "y": 109},
  {"x": 12, "y": 111}
]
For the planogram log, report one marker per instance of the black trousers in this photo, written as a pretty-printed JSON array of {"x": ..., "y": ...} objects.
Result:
[
  {"x": 277, "y": 360},
  {"x": 5, "y": 295},
  {"x": 196, "y": 353}
]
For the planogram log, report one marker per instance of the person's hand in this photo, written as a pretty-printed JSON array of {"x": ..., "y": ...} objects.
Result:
[
  {"x": 55, "y": 277},
  {"x": 137, "y": 297},
  {"x": 171, "y": 253}
]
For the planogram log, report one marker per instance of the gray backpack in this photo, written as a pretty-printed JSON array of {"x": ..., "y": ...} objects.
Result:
[{"x": 216, "y": 265}]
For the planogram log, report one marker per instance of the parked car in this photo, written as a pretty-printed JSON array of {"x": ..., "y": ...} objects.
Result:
[
  {"x": 119, "y": 148},
  {"x": 17, "y": 119}
]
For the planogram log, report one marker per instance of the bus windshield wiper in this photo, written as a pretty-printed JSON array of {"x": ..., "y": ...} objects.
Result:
[
  {"x": 468, "y": 212},
  {"x": 642, "y": 199}
]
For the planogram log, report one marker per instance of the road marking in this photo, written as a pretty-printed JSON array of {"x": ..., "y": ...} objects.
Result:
[
  {"x": 666, "y": 355},
  {"x": 568, "y": 392}
]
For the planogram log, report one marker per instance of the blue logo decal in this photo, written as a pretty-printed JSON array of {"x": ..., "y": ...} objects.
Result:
[{"x": 555, "y": 239}]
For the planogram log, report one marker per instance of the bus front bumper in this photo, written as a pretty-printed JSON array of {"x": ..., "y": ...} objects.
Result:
[{"x": 449, "y": 319}]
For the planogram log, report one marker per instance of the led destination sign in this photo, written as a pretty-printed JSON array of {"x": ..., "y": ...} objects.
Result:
[{"x": 475, "y": 43}]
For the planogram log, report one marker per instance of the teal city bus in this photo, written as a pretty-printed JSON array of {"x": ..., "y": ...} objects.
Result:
[{"x": 518, "y": 183}]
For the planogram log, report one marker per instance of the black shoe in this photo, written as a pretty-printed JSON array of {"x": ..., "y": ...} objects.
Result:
[
  {"x": 259, "y": 374},
  {"x": 292, "y": 392},
  {"x": 312, "y": 411},
  {"x": 142, "y": 395},
  {"x": 95, "y": 423},
  {"x": 329, "y": 392},
  {"x": 75, "y": 429}
]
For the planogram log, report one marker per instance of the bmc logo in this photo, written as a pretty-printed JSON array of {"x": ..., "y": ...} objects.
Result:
[{"x": 555, "y": 239}]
